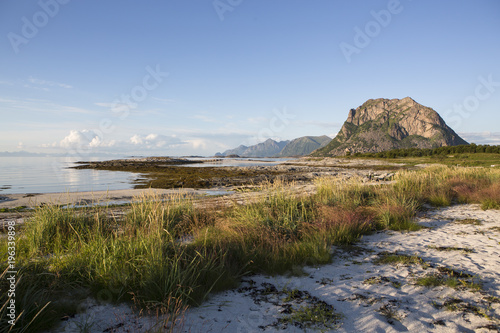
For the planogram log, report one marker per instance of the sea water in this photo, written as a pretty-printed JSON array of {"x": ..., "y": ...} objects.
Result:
[{"x": 53, "y": 175}]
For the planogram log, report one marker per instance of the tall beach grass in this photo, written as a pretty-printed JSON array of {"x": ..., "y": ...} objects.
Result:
[{"x": 170, "y": 252}]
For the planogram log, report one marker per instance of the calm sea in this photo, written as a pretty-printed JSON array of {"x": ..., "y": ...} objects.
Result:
[{"x": 52, "y": 175}]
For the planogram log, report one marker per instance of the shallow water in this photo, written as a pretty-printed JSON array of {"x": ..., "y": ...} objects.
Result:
[{"x": 52, "y": 175}]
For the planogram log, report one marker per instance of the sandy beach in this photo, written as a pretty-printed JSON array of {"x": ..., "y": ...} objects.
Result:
[
  {"x": 114, "y": 197},
  {"x": 361, "y": 291}
]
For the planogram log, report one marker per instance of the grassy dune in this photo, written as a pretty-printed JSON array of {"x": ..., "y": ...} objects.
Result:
[{"x": 167, "y": 255}]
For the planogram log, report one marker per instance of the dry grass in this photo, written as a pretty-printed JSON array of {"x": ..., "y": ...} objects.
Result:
[{"x": 145, "y": 257}]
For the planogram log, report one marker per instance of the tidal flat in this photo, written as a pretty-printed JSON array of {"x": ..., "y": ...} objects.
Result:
[{"x": 166, "y": 173}]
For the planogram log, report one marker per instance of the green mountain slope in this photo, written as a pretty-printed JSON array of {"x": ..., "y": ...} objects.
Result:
[{"x": 304, "y": 145}]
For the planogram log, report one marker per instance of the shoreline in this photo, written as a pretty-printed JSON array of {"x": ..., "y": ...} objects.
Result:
[
  {"x": 301, "y": 170},
  {"x": 31, "y": 200}
]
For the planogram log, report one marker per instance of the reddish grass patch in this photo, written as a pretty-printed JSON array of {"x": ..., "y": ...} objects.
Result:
[{"x": 330, "y": 218}]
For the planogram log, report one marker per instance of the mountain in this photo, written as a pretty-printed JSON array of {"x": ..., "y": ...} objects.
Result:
[
  {"x": 267, "y": 148},
  {"x": 384, "y": 124},
  {"x": 21, "y": 153},
  {"x": 304, "y": 145},
  {"x": 236, "y": 151},
  {"x": 270, "y": 148}
]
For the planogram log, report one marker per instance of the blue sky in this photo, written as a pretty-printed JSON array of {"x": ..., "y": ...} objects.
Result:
[{"x": 196, "y": 77}]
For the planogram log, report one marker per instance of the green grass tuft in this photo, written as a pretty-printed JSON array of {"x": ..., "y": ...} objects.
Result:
[{"x": 387, "y": 258}]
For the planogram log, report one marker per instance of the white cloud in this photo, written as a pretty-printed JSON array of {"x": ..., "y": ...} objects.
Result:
[
  {"x": 482, "y": 138},
  {"x": 258, "y": 120},
  {"x": 117, "y": 106},
  {"x": 40, "y": 106},
  {"x": 49, "y": 145},
  {"x": 96, "y": 142},
  {"x": 84, "y": 138},
  {"x": 204, "y": 118},
  {"x": 198, "y": 143},
  {"x": 152, "y": 141},
  {"x": 136, "y": 140},
  {"x": 49, "y": 83}
]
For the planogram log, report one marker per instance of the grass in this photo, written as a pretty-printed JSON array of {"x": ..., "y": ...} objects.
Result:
[
  {"x": 469, "y": 221},
  {"x": 456, "y": 304},
  {"x": 382, "y": 280},
  {"x": 452, "y": 248},
  {"x": 317, "y": 315},
  {"x": 462, "y": 159},
  {"x": 14, "y": 210},
  {"x": 387, "y": 258},
  {"x": 450, "y": 278},
  {"x": 167, "y": 253},
  {"x": 389, "y": 313}
]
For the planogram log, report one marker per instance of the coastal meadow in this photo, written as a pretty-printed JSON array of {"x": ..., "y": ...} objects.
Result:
[{"x": 165, "y": 254}]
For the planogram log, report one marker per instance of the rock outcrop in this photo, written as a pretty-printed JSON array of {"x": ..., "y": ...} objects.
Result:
[{"x": 383, "y": 124}]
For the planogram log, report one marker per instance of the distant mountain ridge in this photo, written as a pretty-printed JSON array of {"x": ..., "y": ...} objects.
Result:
[
  {"x": 270, "y": 148},
  {"x": 384, "y": 124},
  {"x": 304, "y": 145}
]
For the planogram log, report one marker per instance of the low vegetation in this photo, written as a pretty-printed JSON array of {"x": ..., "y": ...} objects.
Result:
[
  {"x": 169, "y": 253},
  {"x": 456, "y": 304},
  {"x": 464, "y": 155},
  {"x": 452, "y": 248},
  {"x": 386, "y": 258},
  {"x": 158, "y": 174},
  {"x": 448, "y": 277},
  {"x": 440, "y": 151}
]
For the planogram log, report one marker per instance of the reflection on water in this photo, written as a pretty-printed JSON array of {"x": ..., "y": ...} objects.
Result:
[{"x": 52, "y": 175}]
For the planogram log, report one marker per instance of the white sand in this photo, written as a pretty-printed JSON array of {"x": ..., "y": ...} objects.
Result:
[
  {"x": 341, "y": 284},
  {"x": 86, "y": 198}
]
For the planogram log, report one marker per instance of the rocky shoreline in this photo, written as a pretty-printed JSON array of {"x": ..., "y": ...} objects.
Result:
[{"x": 162, "y": 172}]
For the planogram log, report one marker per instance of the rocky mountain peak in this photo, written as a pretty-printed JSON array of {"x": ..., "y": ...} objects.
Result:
[{"x": 383, "y": 124}]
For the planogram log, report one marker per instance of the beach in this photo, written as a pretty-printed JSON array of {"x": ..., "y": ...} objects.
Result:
[
  {"x": 366, "y": 294},
  {"x": 443, "y": 277}
]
